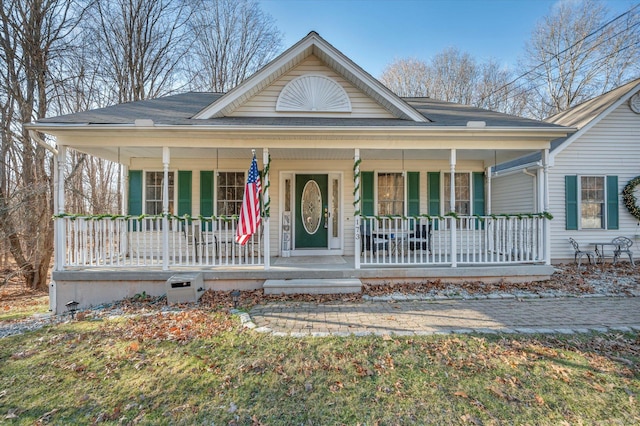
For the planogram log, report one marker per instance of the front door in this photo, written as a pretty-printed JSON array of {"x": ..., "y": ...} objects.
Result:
[{"x": 312, "y": 211}]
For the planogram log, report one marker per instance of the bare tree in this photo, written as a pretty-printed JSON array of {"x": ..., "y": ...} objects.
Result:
[
  {"x": 233, "y": 39},
  {"x": 32, "y": 37},
  {"x": 578, "y": 52},
  {"x": 142, "y": 44},
  {"x": 408, "y": 77},
  {"x": 453, "y": 76}
]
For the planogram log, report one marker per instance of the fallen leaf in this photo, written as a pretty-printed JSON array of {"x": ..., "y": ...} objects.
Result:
[
  {"x": 539, "y": 400},
  {"x": 468, "y": 418},
  {"x": 461, "y": 394}
]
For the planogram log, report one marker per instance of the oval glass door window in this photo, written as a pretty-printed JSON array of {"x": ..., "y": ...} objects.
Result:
[{"x": 311, "y": 207}]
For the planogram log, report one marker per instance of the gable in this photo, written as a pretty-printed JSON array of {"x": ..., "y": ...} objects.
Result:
[
  {"x": 311, "y": 45},
  {"x": 311, "y": 71}
]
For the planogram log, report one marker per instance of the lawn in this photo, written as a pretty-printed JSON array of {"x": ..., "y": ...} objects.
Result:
[{"x": 198, "y": 366}]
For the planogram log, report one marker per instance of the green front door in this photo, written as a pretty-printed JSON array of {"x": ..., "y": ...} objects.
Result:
[{"x": 311, "y": 211}]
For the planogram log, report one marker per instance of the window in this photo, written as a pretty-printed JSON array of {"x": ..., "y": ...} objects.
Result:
[
  {"x": 462, "y": 193},
  {"x": 390, "y": 194},
  {"x": 592, "y": 202},
  {"x": 230, "y": 192},
  {"x": 153, "y": 192}
]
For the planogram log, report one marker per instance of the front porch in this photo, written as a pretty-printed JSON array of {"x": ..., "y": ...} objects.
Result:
[
  {"x": 115, "y": 257},
  {"x": 169, "y": 242}
]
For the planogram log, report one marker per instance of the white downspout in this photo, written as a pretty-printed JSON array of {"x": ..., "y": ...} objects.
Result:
[
  {"x": 547, "y": 223},
  {"x": 535, "y": 189}
]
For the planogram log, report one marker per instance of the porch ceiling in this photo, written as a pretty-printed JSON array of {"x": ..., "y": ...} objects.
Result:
[{"x": 124, "y": 154}]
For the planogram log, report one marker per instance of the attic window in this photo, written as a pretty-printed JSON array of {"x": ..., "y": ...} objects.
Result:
[{"x": 313, "y": 93}]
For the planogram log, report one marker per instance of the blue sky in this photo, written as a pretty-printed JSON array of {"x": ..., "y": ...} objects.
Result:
[{"x": 375, "y": 32}]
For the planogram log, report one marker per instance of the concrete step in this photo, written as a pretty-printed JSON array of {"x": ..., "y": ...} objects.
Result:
[{"x": 313, "y": 286}]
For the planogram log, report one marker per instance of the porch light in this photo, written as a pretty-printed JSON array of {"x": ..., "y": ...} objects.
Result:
[
  {"x": 72, "y": 307},
  {"x": 235, "y": 296}
]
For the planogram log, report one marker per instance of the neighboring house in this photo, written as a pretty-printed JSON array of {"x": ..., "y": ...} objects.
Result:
[
  {"x": 349, "y": 169},
  {"x": 588, "y": 171}
]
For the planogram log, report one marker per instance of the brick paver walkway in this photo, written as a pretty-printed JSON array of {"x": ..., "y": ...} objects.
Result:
[{"x": 563, "y": 315}]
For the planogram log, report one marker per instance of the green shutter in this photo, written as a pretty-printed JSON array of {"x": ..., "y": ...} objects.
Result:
[
  {"x": 135, "y": 192},
  {"x": 478, "y": 193},
  {"x": 366, "y": 194},
  {"x": 478, "y": 197},
  {"x": 571, "y": 202},
  {"x": 612, "y": 202},
  {"x": 413, "y": 193},
  {"x": 206, "y": 193},
  {"x": 184, "y": 192},
  {"x": 433, "y": 193}
]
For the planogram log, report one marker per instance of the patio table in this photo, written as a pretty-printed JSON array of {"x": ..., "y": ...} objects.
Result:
[{"x": 600, "y": 250}]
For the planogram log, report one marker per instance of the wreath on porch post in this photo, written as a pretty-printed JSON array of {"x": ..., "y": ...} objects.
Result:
[{"x": 629, "y": 198}]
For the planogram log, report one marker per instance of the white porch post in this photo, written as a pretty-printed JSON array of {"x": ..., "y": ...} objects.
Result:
[
  {"x": 266, "y": 201},
  {"x": 488, "y": 205},
  {"x": 59, "y": 207},
  {"x": 452, "y": 207},
  {"x": 357, "y": 207},
  {"x": 547, "y": 223},
  {"x": 165, "y": 208},
  {"x": 124, "y": 173}
]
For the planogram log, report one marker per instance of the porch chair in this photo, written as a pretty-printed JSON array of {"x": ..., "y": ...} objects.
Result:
[
  {"x": 198, "y": 239},
  {"x": 623, "y": 245},
  {"x": 578, "y": 254},
  {"x": 421, "y": 239},
  {"x": 371, "y": 241}
]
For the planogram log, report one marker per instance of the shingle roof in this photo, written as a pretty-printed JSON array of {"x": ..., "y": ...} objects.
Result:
[
  {"x": 165, "y": 110},
  {"x": 582, "y": 114},
  {"x": 178, "y": 110}
]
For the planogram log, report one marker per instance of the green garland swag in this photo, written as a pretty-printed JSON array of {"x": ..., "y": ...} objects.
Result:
[
  {"x": 141, "y": 217},
  {"x": 630, "y": 200}
]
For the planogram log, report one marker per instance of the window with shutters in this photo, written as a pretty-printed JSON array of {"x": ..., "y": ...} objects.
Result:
[
  {"x": 153, "y": 192},
  {"x": 462, "y": 193},
  {"x": 230, "y": 190},
  {"x": 591, "y": 202},
  {"x": 390, "y": 194}
]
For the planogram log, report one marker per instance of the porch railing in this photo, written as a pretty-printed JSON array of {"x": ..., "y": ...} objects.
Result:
[
  {"x": 139, "y": 242},
  {"x": 210, "y": 242},
  {"x": 470, "y": 240}
]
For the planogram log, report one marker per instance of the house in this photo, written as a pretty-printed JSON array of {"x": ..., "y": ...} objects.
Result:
[
  {"x": 356, "y": 185},
  {"x": 587, "y": 171}
]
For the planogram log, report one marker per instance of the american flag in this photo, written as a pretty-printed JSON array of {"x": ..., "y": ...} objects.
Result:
[{"x": 250, "y": 209}]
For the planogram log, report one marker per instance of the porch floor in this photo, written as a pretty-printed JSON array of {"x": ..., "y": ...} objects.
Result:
[{"x": 311, "y": 267}]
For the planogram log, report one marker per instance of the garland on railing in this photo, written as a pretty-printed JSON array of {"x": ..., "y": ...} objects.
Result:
[
  {"x": 542, "y": 215},
  {"x": 629, "y": 198},
  {"x": 356, "y": 186},
  {"x": 265, "y": 189},
  {"x": 186, "y": 217}
]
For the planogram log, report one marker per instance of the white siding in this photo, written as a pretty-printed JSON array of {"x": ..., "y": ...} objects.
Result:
[
  {"x": 264, "y": 103},
  {"x": 611, "y": 147},
  {"x": 515, "y": 193}
]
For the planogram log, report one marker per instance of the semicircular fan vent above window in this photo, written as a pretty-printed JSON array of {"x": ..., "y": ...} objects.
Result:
[{"x": 313, "y": 93}]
